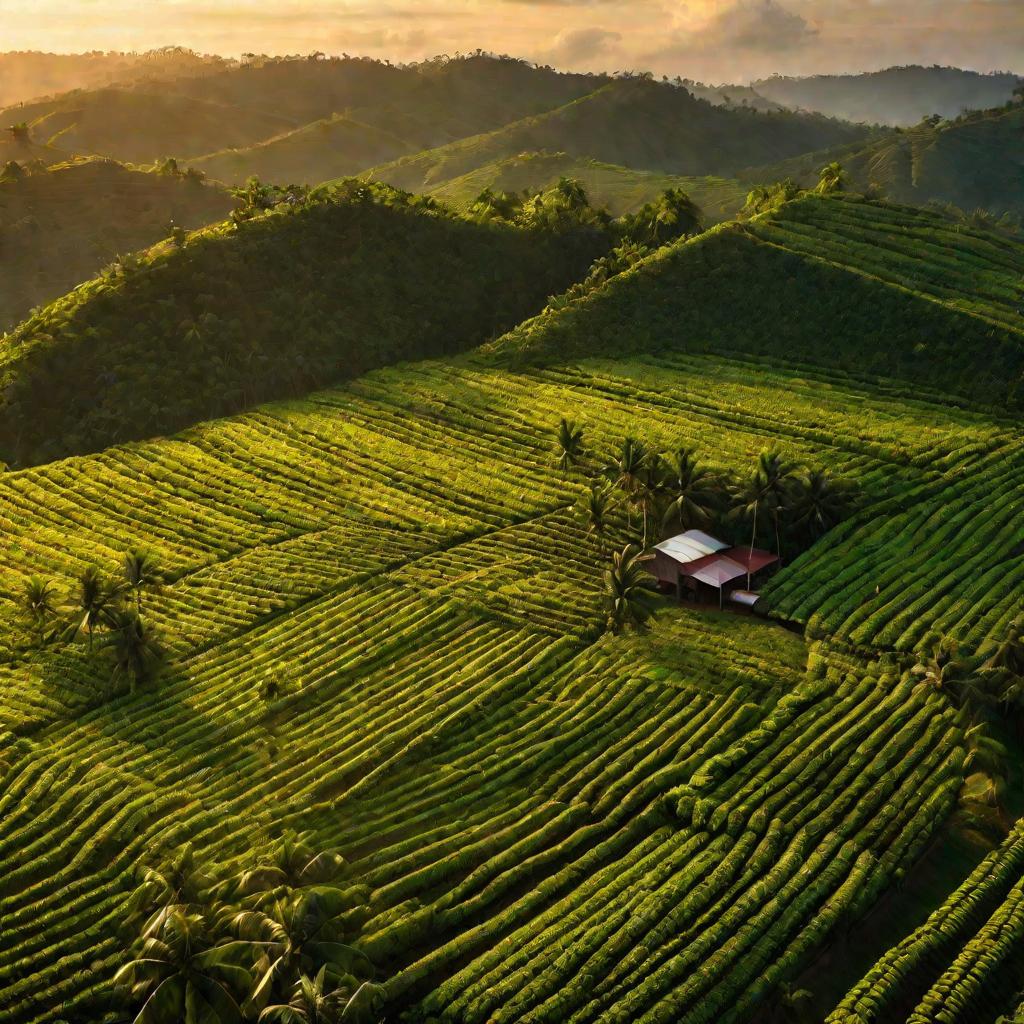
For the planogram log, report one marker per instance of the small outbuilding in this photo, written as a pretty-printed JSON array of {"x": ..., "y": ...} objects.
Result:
[{"x": 694, "y": 559}]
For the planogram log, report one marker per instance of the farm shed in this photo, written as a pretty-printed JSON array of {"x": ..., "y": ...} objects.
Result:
[{"x": 701, "y": 559}]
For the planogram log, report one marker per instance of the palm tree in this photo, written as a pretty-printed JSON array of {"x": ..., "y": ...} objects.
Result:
[
  {"x": 140, "y": 573},
  {"x": 137, "y": 649},
  {"x": 831, "y": 179},
  {"x": 989, "y": 757},
  {"x": 39, "y": 605},
  {"x": 628, "y": 468},
  {"x": 777, "y": 476},
  {"x": 96, "y": 601},
  {"x": 316, "y": 1001},
  {"x": 694, "y": 490},
  {"x": 185, "y": 976},
  {"x": 294, "y": 863},
  {"x": 570, "y": 445},
  {"x": 817, "y": 502},
  {"x": 595, "y": 510},
  {"x": 650, "y": 488},
  {"x": 299, "y": 934},
  {"x": 941, "y": 668},
  {"x": 181, "y": 885},
  {"x": 629, "y": 597}
]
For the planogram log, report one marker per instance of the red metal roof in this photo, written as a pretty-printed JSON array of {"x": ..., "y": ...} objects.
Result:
[{"x": 752, "y": 560}]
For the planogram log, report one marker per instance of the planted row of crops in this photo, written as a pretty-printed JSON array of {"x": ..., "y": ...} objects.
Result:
[
  {"x": 964, "y": 963},
  {"x": 945, "y": 557},
  {"x": 383, "y": 619},
  {"x": 978, "y": 272}
]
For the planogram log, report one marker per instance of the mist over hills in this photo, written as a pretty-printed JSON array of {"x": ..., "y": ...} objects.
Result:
[{"x": 895, "y": 96}]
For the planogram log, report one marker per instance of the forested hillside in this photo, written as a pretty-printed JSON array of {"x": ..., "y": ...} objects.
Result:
[
  {"x": 29, "y": 74},
  {"x": 60, "y": 227},
  {"x": 245, "y": 311},
  {"x": 638, "y": 124},
  {"x": 896, "y": 96},
  {"x": 617, "y": 189},
  {"x": 974, "y": 162},
  {"x": 862, "y": 286}
]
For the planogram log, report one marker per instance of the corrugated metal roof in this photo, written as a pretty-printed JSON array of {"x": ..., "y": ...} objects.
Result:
[
  {"x": 719, "y": 571},
  {"x": 690, "y": 546}
]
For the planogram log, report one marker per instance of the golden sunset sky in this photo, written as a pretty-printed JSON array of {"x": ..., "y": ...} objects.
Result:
[{"x": 711, "y": 40}]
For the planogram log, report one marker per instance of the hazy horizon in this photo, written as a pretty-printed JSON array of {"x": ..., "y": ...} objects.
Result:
[{"x": 709, "y": 40}]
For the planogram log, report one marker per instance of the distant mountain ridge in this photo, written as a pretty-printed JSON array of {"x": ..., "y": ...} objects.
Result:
[{"x": 895, "y": 96}]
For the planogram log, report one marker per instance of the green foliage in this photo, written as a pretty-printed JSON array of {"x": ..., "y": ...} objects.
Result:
[
  {"x": 629, "y": 598},
  {"x": 349, "y": 279},
  {"x": 861, "y": 287}
]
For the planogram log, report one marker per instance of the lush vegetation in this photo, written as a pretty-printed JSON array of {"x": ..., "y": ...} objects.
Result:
[
  {"x": 268, "y": 304},
  {"x": 619, "y": 190},
  {"x": 298, "y": 606},
  {"x": 971, "y": 162},
  {"x": 62, "y": 226},
  {"x": 638, "y": 124},
  {"x": 861, "y": 286}
]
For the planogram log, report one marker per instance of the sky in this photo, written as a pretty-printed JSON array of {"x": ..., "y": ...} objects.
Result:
[{"x": 708, "y": 40}]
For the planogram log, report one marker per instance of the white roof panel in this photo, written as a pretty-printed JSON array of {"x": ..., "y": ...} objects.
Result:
[
  {"x": 721, "y": 571},
  {"x": 689, "y": 546}
]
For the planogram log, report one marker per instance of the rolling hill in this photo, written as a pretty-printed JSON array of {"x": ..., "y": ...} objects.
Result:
[
  {"x": 618, "y": 189},
  {"x": 638, "y": 124},
  {"x": 976, "y": 161},
  {"x": 896, "y": 96},
  {"x": 28, "y": 75},
  {"x": 862, "y": 286},
  {"x": 239, "y": 313},
  {"x": 336, "y": 147},
  {"x": 384, "y": 627},
  {"x": 139, "y": 126},
  {"x": 60, "y": 227}
]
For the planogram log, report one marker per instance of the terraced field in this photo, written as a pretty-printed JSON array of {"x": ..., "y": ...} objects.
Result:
[{"x": 554, "y": 824}]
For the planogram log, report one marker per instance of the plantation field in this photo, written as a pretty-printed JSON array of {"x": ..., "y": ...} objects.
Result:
[{"x": 553, "y": 824}]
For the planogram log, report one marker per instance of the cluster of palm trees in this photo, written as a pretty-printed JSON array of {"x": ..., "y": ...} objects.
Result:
[
  {"x": 782, "y": 500},
  {"x": 985, "y": 687},
  {"x": 101, "y": 605},
  {"x": 787, "y": 502},
  {"x": 270, "y": 942}
]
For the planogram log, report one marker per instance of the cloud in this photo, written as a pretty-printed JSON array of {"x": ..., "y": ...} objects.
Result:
[
  {"x": 582, "y": 44},
  {"x": 758, "y": 25}
]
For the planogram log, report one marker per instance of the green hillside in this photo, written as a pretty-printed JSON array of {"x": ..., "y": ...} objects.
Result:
[
  {"x": 139, "y": 126},
  {"x": 638, "y": 124},
  {"x": 426, "y": 104},
  {"x": 238, "y": 313},
  {"x": 976, "y": 161},
  {"x": 641, "y": 801},
  {"x": 333, "y": 148},
  {"x": 60, "y": 227},
  {"x": 896, "y": 96},
  {"x": 618, "y": 189},
  {"x": 863, "y": 286}
]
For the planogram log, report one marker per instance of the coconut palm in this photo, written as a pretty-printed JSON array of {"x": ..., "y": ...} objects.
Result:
[
  {"x": 694, "y": 490},
  {"x": 181, "y": 885},
  {"x": 95, "y": 602},
  {"x": 652, "y": 484},
  {"x": 817, "y": 502},
  {"x": 941, "y": 668},
  {"x": 136, "y": 646},
  {"x": 316, "y": 1001},
  {"x": 595, "y": 509},
  {"x": 777, "y": 476},
  {"x": 293, "y": 863},
  {"x": 989, "y": 757},
  {"x": 185, "y": 975},
  {"x": 39, "y": 605},
  {"x": 627, "y": 470},
  {"x": 140, "y": 573},
  {"x": 629, "y": 598},
  {"x": 570, "y": 445},
  {"x": 299, "y": 934}
]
